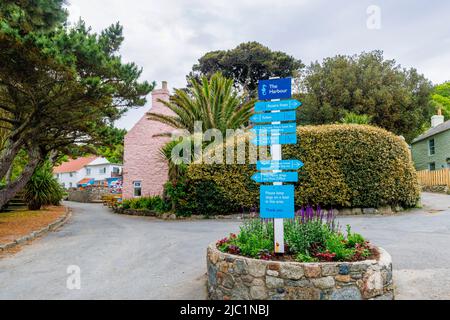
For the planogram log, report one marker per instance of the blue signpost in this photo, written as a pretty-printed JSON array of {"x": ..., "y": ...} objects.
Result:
[
  {"x": 275, "y": 139},
  {"x": 270, "y": 165},
  {"x": 272, "y": 129},
  {"x": 277, "y": 200},
  {"x": 277, "y": 105},
  {"x": 275, "y": 89},
  {"x": 274, "y": 117},
  {"x": 262, "y": 177}
]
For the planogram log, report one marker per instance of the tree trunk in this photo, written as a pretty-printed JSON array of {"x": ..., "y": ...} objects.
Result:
[
  {"x": 8, "y": 155},
  {"x": 14, "y": 187}
]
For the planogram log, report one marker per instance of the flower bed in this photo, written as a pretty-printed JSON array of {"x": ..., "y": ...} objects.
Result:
[
  {"x": 241, "y": 278},
  {"x": 320, "y": 262}
]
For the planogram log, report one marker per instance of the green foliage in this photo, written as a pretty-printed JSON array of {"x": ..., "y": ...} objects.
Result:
[
  {"x": 441, "y": 98},
  {"x": 306, "y": 240},
  {"x": 300, "y": 237},
  {"x": 155, "y": 203},
  {"x": 112, "y": 147},
  {"x": 43, "y": 188},
  {"x": 345, "y": 166},
  {"x": 61, "y": 87},
  {"x": 211, "y": 101},
  {"x": 397, "y": 99},
  {"x": 199, "y": 199},
  {"x": 353, "y": 118},
  {"x": 246, "y": 65}
]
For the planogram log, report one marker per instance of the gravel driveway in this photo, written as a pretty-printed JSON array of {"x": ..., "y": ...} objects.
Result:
[{"x": 123, "y": 257}]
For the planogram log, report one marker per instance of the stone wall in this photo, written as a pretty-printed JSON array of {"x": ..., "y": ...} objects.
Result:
[
  {"x": 88, "y": 195},
  {"x": 239, "y": 278}
]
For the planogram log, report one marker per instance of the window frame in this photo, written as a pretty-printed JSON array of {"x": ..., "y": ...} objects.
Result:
[
  {"x": 136, "y": 188},
  {"x": 431, "y": 149}
]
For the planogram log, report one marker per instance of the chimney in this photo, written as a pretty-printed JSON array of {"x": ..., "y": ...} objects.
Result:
[
  {"x": 160, "y": 94},
  {"x": 437, "y": 119}
]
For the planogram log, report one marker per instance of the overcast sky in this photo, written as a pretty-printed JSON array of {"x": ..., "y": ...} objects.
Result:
[{"x": 166, "y": 37}]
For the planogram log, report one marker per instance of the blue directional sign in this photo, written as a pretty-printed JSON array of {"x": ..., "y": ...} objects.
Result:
[
  {"x": 274, "y": 117},
  {"x": 289, "y": 176},
  {"x": 269, "y": 165},
  {"x": 275, "y": 89},
  {"x": 277, "y": 202},
  {"x": 270, "y": 129},
  {"x": 280, "y": 139},
  {"x": 277, "y": 105}
]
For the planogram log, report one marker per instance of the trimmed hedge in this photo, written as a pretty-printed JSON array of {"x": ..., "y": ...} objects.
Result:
[{"x": 345, "y": 166}]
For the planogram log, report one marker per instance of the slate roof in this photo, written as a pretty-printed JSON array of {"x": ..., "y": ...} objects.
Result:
[{"x": 433, "y": 131}]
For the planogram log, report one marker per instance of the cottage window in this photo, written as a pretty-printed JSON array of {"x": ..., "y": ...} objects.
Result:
[
  {"x": 137, "y": 188},
  {"x": 432, "y": 166},
  {"x": 88, "y": 171},
  {"x": 116, "y": 170},
  {"x": 102, "y": 170},
  {"x": 431, "y": 147}
]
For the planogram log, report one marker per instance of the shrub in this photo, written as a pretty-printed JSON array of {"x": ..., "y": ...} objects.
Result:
[
  {"x": 155, "y": 203},
  {"x": 345, "y": 166},
  {"x": 42, "y": 189}
]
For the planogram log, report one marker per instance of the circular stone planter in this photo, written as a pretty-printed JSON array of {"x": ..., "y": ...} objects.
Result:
[{"x": 240, "y": 278}]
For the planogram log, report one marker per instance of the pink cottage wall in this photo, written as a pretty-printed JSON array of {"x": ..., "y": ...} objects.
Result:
[{"x": 142, "y": 161}]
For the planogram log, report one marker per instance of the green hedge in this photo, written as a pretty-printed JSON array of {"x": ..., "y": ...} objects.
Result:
[{"x": 345, "y": 166}]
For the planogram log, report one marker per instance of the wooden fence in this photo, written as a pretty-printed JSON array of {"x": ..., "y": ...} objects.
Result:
[{"x": 434, "y": 178}]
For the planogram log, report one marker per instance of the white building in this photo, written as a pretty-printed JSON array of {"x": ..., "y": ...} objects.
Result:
[{"x": 85, "y": 171}]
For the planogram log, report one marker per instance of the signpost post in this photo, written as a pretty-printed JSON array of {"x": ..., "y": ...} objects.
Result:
[{"x": 276, "y": 201}]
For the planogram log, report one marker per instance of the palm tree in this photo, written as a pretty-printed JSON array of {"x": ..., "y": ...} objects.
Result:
[{"x": 212, "y": 101}]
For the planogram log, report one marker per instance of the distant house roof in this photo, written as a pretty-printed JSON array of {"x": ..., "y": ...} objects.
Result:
[
  {"x": 433, "y": 131},
  {"x": 74, "y": 164}
]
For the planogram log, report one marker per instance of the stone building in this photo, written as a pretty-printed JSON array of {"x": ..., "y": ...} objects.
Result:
[{"x": 145, "y": 171}]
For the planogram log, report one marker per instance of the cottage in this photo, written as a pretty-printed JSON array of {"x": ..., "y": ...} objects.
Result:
[
  {"x": 431, "y": 150},
  {"x": 145, "y": 170},
  {"x": 84, "y": 171}
]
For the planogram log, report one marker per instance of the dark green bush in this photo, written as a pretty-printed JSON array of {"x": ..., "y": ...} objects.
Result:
[
  {"x": 155, "y": 203},
  {"x": 345, "y": 166},
  {"x": 42, "y": 189}
]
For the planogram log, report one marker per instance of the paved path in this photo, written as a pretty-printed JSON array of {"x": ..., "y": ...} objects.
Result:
[{"x": 125, "y": 257}]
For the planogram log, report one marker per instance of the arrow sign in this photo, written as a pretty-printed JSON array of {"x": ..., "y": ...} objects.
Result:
[
  {"x": 275, "y": 177},
  {"x": 270, "y": 140},
  {"x": 277, "y": 105},
  {"x": 274, "y": 117},
  {"x": 269, "y": 165},
  {"x": 275, "y": 129}
]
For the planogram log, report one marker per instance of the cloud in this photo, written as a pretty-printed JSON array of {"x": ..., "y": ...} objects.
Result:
[{"x": 167, "y": 37}]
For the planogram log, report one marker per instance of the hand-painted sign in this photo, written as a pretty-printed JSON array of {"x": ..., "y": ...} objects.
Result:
[
  {"x": 270, "y": 165},
  {"x": 277, "y": 105},
  {"x": 274, "y": 117},
  {"x": 290, "y": 127},
  {"x": 277, "y": 139},
  {"x": 262, "y": 177},
  {"x": 277, "y": 202},
  {"x": 275, "y": 89}
]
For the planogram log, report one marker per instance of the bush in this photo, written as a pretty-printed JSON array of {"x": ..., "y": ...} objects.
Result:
[
  {"x": 346, "y": 165},
  {"x": 306, "y": 241},
  {"x": 42, "y": 189},
  {"x": 155, "y": 203}
]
